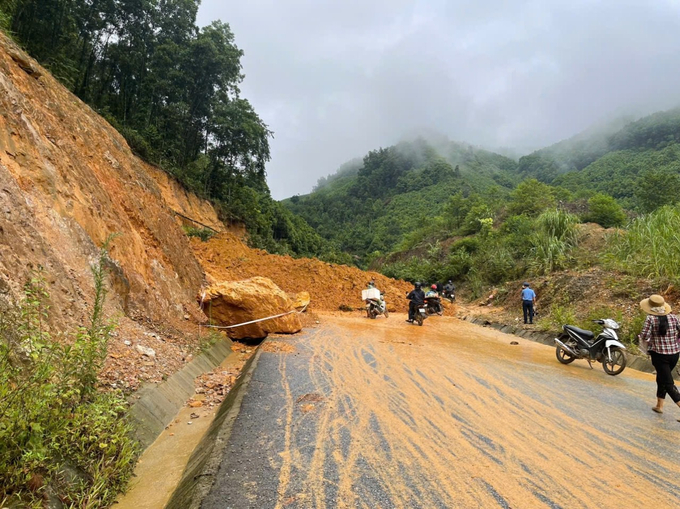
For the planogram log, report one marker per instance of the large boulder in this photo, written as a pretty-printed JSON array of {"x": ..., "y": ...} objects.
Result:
[{"x": 234, "y": 302}]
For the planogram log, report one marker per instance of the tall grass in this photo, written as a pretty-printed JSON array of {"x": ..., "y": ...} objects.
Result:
[
  {"x": 553, "y": 240},
  {"x": 58, "y": 433},
  {"x": 650, "y": 246}
]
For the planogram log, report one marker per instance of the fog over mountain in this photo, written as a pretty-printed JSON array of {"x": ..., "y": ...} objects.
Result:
[{"x": 336, "y": 79}]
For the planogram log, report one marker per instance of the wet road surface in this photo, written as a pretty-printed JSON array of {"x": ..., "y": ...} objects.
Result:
[{"x": 381, "y": 414}]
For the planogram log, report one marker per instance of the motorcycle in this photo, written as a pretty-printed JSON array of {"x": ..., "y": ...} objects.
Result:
[
  {"x": 578, "y": 343},
  {"x": 449, "y": 295},
  {"x": 421, "y": 313},
  {"x": 376, "y": 307},
  {"x": 433, "y": 306}
]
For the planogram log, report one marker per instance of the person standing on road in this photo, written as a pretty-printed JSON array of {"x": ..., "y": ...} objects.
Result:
[
  {"x": 416, "y": 298},
  {"x": 661, "y": 331},
  {"x": 528, "y": 302}
]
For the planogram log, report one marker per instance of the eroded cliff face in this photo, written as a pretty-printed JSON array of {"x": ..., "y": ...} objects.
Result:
[{"x": 67, "y": 182}]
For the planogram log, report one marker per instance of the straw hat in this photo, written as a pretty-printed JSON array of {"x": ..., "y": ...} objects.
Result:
[{"x": 655, "y": 305}]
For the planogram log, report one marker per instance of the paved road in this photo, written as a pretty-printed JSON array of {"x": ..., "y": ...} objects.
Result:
[{"x": 380, "y": 414}]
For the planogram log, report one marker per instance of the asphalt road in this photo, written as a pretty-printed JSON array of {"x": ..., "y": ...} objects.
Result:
[{"x": 382, "y": 414}]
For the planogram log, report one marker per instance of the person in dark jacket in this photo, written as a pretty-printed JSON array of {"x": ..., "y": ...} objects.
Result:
[{"x": 416, "y": 298}]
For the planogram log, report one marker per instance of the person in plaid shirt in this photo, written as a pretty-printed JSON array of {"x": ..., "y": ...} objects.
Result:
[{"x": 662, "y": 332}]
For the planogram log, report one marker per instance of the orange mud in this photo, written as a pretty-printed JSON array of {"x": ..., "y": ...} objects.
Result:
[
  {"x": 226, "y": 258},
  {"x": 453, "y": 413}
]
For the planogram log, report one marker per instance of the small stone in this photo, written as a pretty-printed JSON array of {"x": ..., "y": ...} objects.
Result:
[
  {"x": 195, "y": 404},
  {"x": 189, "y": 422},
  {"x": 146, "y": 351},
  {"x": 514, "y": 342},
  {"x": 127, "y": 343}
]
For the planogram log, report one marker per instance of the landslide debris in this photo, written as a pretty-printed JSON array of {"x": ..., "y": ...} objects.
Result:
[
  {"x": 226, "y": 258},
  {"x": 235, "y": 302},
  {"x": 68, "y": 181}
]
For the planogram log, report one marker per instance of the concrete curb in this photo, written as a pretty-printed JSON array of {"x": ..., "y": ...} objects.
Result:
[
  {"x": 204, "y": 463},
  {"x": 637, "y": 362},
  {"x": 157, "y": 405}
]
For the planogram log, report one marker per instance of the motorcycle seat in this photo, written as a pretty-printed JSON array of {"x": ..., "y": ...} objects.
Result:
[{"x": 581, "y": 332}]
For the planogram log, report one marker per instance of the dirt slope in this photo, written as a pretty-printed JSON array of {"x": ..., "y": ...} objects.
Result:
[
  {"x": 226, "y": 258},
  {"x": 67, "y": 181}
]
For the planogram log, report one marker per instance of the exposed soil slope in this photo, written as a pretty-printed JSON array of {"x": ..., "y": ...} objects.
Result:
[
  {"x": 67, "y": 181},
  {"x": 225, "y": 257}
]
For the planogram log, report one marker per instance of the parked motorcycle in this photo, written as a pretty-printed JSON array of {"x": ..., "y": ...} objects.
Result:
[
  {"x": 376, "y": 307},
  {"x": 433, "y": 306},
  {"x": 578, "y": 343}
]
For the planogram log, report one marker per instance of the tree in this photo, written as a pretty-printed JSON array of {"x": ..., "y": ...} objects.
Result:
[
  {"x": 605, "y": 211},
  {"x": 656, "y": 188},
  {"x": 531, "y": 197}
]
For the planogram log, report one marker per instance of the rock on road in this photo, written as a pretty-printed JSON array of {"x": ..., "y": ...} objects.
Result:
[{"x": 381, "y": 414}]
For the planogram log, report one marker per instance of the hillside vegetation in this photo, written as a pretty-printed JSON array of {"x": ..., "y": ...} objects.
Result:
[
  {"x": 171, "y": 89},
  {"x": 431, "y": 211}
]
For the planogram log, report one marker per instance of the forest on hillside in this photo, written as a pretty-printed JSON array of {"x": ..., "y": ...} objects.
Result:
[
  {"x": 172, "y": 89},
  {"x": 431, "y": 211}
]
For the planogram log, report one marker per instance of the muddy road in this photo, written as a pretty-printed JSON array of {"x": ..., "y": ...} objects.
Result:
[{"x": 381, "y": 414}]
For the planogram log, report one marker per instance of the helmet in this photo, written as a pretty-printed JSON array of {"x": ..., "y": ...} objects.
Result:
[
  {"x": 417, "y": 285},
  {"x": 434, "y": 287},
  {"x": 450, "y": 281}
]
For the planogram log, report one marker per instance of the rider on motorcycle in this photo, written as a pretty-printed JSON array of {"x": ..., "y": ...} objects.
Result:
[
  {"x": 432, "y": 300},
  {"x": 416, "y": 298},
  {"x": 379, "y": 302},
  {"x": 449, "y": 290}
]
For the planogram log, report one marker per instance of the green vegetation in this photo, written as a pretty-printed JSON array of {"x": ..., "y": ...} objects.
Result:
[
  {"x": 650, "y": 246},
  {"x": 58, "y": 433},
  {"x": 205, "y": 234},
  {"x": 436, "y": 210},
  {"x": 172, "y": 89}
]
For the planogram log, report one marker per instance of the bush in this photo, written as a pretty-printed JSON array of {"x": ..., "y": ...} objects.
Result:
[
  {"x": 531, "y": 198},
  {"x": 605, "y": 211},
  {"x": 56, "y": 429},
  {"x": 553, "y": 240},
  {"x": 205, "y": 234}
]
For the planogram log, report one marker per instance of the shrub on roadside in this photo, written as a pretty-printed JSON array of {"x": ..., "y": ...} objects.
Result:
[{"x": 58, "y": 433}]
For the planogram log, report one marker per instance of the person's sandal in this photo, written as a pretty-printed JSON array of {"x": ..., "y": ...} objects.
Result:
[{"x": 657, "y": 410}]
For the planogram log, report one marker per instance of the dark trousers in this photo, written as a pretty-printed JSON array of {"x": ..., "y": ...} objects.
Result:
[
  {"x": 412, "y": 310},
  {"x": 664, "y": 365},
  {"x": 528, "y": 309}
]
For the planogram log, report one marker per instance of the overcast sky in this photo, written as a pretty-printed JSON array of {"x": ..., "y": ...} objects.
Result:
[{"x": 335, "y": 79}]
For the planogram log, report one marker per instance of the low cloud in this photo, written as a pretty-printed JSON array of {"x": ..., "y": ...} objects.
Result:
[{"x": 336, "y": 79}]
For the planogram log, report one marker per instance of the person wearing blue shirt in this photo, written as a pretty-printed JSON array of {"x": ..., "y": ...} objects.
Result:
[{"x": 528, "y": 302}]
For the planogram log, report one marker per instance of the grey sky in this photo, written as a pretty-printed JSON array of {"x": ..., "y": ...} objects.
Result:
[{"x": 335, "y": 79}]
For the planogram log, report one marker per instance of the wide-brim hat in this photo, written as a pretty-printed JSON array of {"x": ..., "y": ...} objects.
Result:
[{"x": 655, "y": 305}]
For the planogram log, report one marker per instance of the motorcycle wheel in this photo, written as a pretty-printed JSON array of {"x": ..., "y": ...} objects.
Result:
[
  {"x": 562, "y": 356},
  {"x": 617, "y": 364},
  {"x": 373, "y": 314},
  {"x": 419, "y": 319}
]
